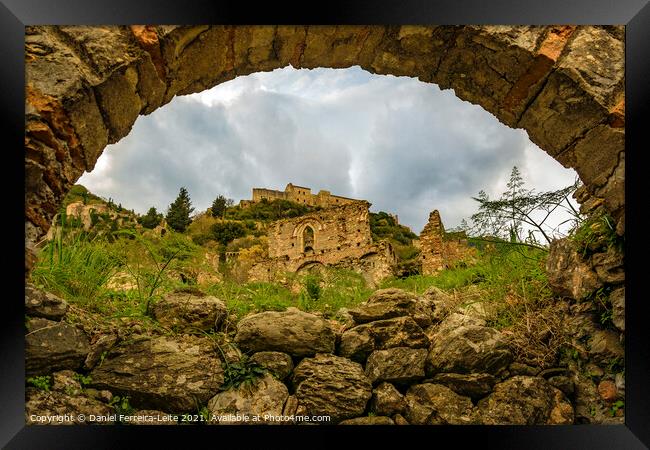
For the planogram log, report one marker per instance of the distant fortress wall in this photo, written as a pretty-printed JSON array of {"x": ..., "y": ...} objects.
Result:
[{"x": 299, "y": 194}]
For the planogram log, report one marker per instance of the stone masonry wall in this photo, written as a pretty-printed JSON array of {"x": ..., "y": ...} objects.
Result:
[
  {"x": 341, "y": 237},
  {"x": 336, "y": 231},
  {"x": 299, "y": 194},
  {"x": 436, "y": 253}
]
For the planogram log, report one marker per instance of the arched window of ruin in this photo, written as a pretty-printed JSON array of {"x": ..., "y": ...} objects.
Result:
[{"x": 308, "y": 239}]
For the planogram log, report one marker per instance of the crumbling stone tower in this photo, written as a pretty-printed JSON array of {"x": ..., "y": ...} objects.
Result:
[{"x": 431, "y": 245}]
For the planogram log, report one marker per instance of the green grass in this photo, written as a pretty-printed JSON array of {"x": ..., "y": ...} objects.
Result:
[
  {"x": 75, "y": 267},
  {"x": 507, "y": 277},
  {"x": 340, "y": 288},
  {"x": 325, "y": 292},
  {"x": 252, "y": 297}
]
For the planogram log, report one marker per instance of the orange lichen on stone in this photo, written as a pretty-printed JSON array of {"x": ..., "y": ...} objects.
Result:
[
  {"x": 617, "y": 115},
  {"x": 148, "y": 39},
  {"x": 555, "y": 41},
  {"x": 58, "y": 122},
  {"x": 548, "y": 53}
]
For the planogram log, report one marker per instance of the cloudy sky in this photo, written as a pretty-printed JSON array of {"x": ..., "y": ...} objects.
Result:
[{"x": 405, "y": 146}]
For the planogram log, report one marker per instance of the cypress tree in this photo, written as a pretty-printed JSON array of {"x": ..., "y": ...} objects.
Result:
[{"x": 178, "y": 213}]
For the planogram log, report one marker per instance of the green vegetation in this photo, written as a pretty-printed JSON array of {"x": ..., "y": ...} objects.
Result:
[
  {"x": 43, "y": 382},
  {"x": 508, "y": 287},
  {"x": 122, "y": 273},
  {"x": 619, "y": 404},
  {"x": 84, "y": 380},
  {"x": 219, "y": 206},
  {"x": 245, "y": 371},
  {"x": 151, "y": 220},
  {"x": 226, "y": 232},
  {"x": 79, "y": 193},
  {"x": 74, "y": 265},
  {"x": 121, "y": 405},
  {"x": 178, "y": 214},
  {"x": 522, "y": 215},
  {"x": 334, "y": 288},
  {"x": 383, "y": 226},
  {"x": 597, "y": 234},
  {"x": 268, "y": 211}
]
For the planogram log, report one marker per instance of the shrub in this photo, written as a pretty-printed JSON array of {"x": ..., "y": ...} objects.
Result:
[
  {"x": 225, "y": 232},
  {"x": 152, "y": 219},
  {"x": 597, "y": 234}
]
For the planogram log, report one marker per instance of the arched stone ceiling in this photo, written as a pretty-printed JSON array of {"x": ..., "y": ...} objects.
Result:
[{"x": 86, "y": 86}]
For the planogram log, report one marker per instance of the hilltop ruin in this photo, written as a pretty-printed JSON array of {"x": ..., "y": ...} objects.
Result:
[
  {"x": 298, "y": 194},
  {"x": 339, "y": 234}
]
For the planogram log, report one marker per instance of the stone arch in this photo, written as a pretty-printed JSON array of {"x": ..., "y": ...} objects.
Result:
[
  {"x": 86, "y": 86},
  {"x": 308, "y": 239},
  {"x": 309, "y": 265}
]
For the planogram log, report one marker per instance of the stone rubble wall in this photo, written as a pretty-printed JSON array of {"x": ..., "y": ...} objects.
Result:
[{"x": 399, "y": 359}]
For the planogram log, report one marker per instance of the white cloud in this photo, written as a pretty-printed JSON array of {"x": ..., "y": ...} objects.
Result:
[{"x": 404, "y": 145}]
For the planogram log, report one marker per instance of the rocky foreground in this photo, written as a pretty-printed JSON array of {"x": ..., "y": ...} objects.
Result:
[{"x": 396, "y": 359}]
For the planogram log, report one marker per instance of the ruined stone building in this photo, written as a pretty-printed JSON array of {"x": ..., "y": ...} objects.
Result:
[
  {"x": 337, "y": 236},
  {"x": 298, "y": 194},
  {"x": 437, "y": 251}
]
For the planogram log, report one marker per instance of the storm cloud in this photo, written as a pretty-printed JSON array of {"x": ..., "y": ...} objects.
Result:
[{"x": 406, "y": 146}]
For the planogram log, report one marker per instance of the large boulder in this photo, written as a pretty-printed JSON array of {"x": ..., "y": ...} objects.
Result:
[
  {"x": 331, "y": 385},
  {"x": 183, "y": 310},
  {"x": 358, "y": 342},
  {"x": 440, "y": 302},
  {"x": 396, "y": 365},
  {"x": 386, "y": 400},
  {"x": 52, "y": 346},
  {"x": 39, "y": 303},
  {"x": 473, "y": 385},
  {"x": 278, "y": 363},
  {"x": 294, "y": 332},
  {"x": 434, "y": 404},
  {"x": 263, "y": 398},
  {"x": 161, "y": 373},
  {"x": 468, "y": 349},
  {"x": 390, "y": 303},
  {"x": 568, "y": 273},
  {"x": 523, "y": 400}
]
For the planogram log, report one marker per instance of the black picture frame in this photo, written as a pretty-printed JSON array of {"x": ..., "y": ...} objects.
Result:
[{"x": 16, "y": 14}]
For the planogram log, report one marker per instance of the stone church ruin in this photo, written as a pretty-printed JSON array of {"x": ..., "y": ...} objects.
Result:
[
  {"x": 340, "y": 236},
  {"x": 336, "y": 236}
]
